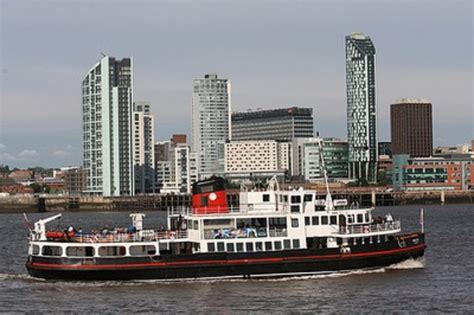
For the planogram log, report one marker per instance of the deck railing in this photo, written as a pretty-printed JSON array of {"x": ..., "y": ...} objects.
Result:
[
  {"x": 369, "y": 228},
  {"x": 142, "y": 236}
]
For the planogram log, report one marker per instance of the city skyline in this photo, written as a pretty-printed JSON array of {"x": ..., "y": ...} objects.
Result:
[{"x": 303, "y": 66}]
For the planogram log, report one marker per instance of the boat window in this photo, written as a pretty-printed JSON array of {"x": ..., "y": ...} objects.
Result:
[
  {"x": 324, "y": 220},
  {"x": 109, "y": 251},
  {"x": 52, "y": 251},
  {"x": 277, "y": 245},
  {"x": 296, "y": 199},
  {"x": 35, "y": 250},
  {"x": 143, "y": 250},
  {"x": 277, "y": 222},
  {"x": 296, "y": 243},
  {"x": 333, "y": 219},
  {"x": 315, "y": 220},
  {"x": 287, "y": 244},
  {"x": 294, "y": 223},
  {"x": 203, "y": 201},
  {"x": 240, "y": 247},
  {"x": 230, "y": 247},
  {"x": 366, "y": 217},
  {"x": 196, "y": 224},
  {"x": 249, "y": 247},
  {"x": 211, "y": 247},
  {"x": 350, "y": 218},
  {"x": 285, "y": 198},
  {"x": 295, "y": 208},
  {"x": 268, "y": 245},
  {"x": 190, "y": 224},
  {"x": 308, "y": 197},
  {"x": 307, "y": 220},
  {"x": 217, "y": 222},
  {"x": 258, "y": 246},
  {"x": 266, "y": 197},
  {"x": 80, "y": 251},
  {"x": 360, "y": 218},
  {"x": 220, "y": 247}
]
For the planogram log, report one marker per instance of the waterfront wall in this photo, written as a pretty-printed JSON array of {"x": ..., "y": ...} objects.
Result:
[{"x": 52, "y": 203}]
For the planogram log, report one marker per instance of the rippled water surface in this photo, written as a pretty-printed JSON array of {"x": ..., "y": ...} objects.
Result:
[{"x": 442, "y": 282}]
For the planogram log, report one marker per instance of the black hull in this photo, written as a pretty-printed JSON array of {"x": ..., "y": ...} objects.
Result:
[{"x": 261, "y": 264}]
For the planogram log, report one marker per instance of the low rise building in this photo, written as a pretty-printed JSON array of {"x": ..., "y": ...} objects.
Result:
[
  {"x": 307, "y": 165},
  {"x": 75, "y": 180},
  {"x": 176, "y": 166},
  {"x": 257, "y": 158},
  {"x": 448, "y": 172}
]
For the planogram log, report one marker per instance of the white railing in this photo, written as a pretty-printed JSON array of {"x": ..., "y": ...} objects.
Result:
[
  {"x": 208, "y": 210},
  {"x": 369, "y": 228},
  {"x": 142, "y": 236}
]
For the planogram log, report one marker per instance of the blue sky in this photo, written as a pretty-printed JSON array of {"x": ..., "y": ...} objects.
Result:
[{"x": 276, "y": 53}]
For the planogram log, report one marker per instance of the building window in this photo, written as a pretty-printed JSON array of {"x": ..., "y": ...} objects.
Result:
[{"x": 308, "y": 198}]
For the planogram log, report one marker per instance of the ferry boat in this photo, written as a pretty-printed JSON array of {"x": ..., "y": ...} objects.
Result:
[{"x": 271, "y": 233}]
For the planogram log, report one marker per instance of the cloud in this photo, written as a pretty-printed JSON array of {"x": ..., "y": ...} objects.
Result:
[
  {"x": 2, "y": 146},
  {"x": 28, "y": 155},
  {"x": 61, "y": 153}
]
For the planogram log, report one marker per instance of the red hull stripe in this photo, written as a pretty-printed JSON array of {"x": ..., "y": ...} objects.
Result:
[{"x": 228, "y": 262}]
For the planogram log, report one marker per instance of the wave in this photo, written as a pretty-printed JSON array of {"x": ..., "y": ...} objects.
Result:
[{"x": 409, "y": 264}]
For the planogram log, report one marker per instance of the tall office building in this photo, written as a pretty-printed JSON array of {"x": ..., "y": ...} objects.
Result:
[
  {"x": 412, "y": 127},
  {"x": 143, "y": 148},
  {"x": 282, "y": 124},
  {"x": 361, "y": 107},
  {"x": 107, "y": 98},
  {"x": 210, "y": 123}
]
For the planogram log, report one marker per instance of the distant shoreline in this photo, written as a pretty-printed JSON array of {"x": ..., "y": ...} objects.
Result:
[{"x": 54, "y": 203}]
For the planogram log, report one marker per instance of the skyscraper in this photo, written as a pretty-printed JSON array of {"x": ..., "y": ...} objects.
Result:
[
  {"x": 361, "y": 107},
  {"x": 283, "y": 124},
  {"x": 143, "y": 148},
  {"x": 210, "y": 123},
  {"x": 107, "y": 98},
  {"x": 412, "y": 127}
]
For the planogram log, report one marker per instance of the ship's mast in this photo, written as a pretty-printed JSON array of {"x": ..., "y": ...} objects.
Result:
[{"x": 329, "y": 202}]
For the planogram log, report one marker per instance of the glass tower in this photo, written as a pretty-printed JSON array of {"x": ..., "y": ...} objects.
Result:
[
  {"x": 107, "y": 98},
  {"x": 361, "y": 107},
  {"x": 210, "y": 123}
]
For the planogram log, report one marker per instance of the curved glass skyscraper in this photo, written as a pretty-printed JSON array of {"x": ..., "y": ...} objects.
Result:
[{"x": 361, "y": 107}]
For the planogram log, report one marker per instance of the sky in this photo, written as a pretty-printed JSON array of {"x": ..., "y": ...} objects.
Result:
[{"x": 276, "y": 54}]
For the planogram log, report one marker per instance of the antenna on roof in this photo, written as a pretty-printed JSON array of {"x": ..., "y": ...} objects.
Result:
[{"x": 103, "y": 55}]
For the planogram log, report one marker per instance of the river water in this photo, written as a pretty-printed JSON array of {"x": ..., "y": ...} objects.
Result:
[{"x": 442, "y": 282}]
